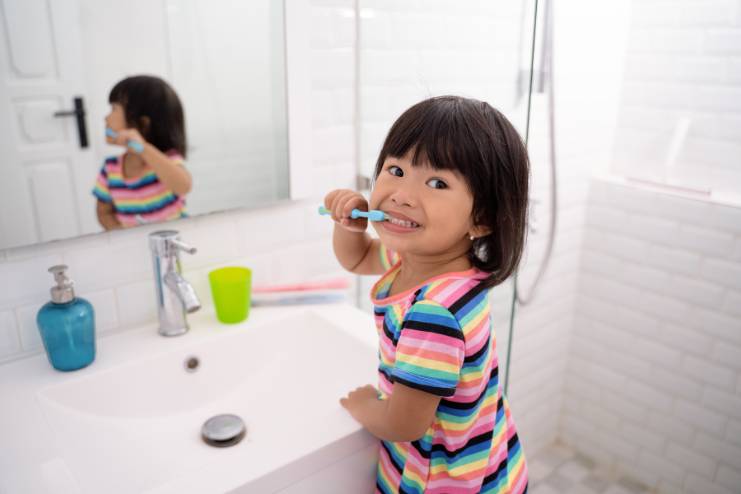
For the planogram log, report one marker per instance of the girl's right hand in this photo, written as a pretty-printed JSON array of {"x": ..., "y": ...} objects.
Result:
[{"x": 341, "y": 202}]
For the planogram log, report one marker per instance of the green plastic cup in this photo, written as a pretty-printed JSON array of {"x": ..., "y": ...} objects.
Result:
[{"x": 230, "y": 289}]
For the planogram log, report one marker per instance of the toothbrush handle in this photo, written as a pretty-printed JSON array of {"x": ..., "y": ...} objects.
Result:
[
  {"x": 137, "y": 147},
  {"x": 372, "y": 215}
]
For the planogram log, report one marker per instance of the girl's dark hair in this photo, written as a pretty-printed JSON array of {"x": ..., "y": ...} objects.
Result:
[
  {"x": 472, "y": 138},
  {"x": 151, "y": 97}
]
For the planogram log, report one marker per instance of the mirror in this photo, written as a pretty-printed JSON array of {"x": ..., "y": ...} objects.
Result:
[{"x": 59, "y": 61}]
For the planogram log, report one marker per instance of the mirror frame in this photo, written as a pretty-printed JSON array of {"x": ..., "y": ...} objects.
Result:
[{"x": 298, "y": 97}]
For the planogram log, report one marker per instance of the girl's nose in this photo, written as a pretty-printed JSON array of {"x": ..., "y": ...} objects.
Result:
[{"x": 402, "y": 197}]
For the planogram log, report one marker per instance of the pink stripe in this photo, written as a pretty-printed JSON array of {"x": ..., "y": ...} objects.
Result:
[
  {"x": 431, "y": 341},
  {"x": 444, "y": 295},
  {"x": 388, "y": 468},
  {"x": 335, "y": 283},
  {"x": 165, "y": 213},
  {"x": 478, "y": 335},
  {"x": 519, "y": 486},
  {"x": 450, "y": 485},
  {"x": 455, "y": 353}
]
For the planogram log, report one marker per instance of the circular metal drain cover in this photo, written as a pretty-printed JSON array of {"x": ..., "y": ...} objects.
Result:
[{"x": 223, "y": 430}]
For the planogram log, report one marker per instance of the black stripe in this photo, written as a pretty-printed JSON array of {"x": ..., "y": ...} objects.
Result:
[
  {"x": 391, "y": 458},
  {"x": 467, "y": 297},
  {"x": 422, "y": 451},
  {"x": 385, "y": 373},
  {"x": 492, "y": 476},
  {"x": 481, "y": 438},
  {"x": 433, "y": 328},
  {"x": 388, "y": 333},
  {"x": 111, "y": 159},
  {"x": 484, "y": 348},
  {"x": 435, "y": 390},
  {"x": 381, "y": 489},
  {"x": 512, "y": 442}
]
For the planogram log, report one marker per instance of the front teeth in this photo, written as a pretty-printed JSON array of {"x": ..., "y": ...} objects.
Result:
[{"x": 406, "y": 224}]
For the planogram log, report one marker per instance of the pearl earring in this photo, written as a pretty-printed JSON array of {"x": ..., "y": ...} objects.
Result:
[{"x": 471, "y": 237}]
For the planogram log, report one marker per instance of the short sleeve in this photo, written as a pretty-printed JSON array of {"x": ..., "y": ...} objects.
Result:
[
  {"x": 176, "y": 157},
  {"x": 430, "y": 350},
  {"x": 101, "y": 190},
  {"x": 388, "y": 257}
]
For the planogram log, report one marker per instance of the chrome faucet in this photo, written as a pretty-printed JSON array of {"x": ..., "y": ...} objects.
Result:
[{"x": 175, "y": 296}]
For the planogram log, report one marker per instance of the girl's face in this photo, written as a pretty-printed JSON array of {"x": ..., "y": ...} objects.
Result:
[
  {"x": 116, "y": 118},
  {"x": 430, "y": 209}
]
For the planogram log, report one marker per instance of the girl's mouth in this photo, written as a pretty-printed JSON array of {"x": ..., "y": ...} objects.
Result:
[{"x": 399, "y": 225}]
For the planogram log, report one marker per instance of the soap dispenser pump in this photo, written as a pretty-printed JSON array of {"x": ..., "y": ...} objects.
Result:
[{"x": 67, "y": 325}]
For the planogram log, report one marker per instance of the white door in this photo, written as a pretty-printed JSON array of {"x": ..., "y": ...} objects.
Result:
[{"x": 46, "y": 173}]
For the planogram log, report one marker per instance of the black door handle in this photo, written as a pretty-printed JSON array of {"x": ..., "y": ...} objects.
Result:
[{"x": 79, "y": 114}]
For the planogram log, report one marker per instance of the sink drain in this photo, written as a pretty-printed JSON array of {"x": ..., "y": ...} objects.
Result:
[
  {"x": 223, "y": 430},
  {"x": 191, "y": 364}
]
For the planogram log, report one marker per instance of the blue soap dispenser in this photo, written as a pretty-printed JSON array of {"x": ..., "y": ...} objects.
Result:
[{"x": 67, "y": 325}]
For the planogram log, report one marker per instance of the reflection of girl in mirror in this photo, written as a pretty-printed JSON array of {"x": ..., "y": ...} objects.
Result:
[{"x": 149, "y": 184}]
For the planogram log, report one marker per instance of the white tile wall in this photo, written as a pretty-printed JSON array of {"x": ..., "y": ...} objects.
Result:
[
  {"x": 682, "y": 63},
  {"x": 657, "y": 353}
]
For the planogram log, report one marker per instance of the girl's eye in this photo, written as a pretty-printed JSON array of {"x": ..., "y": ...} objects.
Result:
[
  {"x": 395, "y": 170},
  {"x": 436, "y": 183}
]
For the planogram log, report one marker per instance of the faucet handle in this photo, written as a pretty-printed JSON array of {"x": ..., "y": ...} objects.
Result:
[{"x": 182, "y": 246}]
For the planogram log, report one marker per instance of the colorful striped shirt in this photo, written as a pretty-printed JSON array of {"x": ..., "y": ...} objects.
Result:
[
  {"x": 138, "y": 200},
  {"x": 437, "y": 337}
]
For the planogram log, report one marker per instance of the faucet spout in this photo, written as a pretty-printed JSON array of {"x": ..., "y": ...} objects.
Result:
[
  {"x": 175, "y": 296},
  {"x": 184, "y": 291}
]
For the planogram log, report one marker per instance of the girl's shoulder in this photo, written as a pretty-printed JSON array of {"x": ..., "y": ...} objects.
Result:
[
  {"x": 455, "y": 290},
  {"x": 111, "y": 163},
  {"x": 175, "y": 155}
]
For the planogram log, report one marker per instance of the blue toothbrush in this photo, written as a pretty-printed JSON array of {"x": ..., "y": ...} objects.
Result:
[
  {"x": 135, "y": 146},
  {"x": 372, "y": 215}
]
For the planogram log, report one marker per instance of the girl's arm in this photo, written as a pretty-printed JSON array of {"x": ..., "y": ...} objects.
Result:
[
  {"x": 355, "y": 250},
  {"x": 107, "y": 216},
  {"x": 405, "y": 416},
  {"x": 172, "y": 175}
]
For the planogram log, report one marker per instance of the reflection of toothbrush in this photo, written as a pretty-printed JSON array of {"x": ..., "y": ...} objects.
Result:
[
  {"x": 135, "y": 146},
  {"x": 372, "y": 215}
]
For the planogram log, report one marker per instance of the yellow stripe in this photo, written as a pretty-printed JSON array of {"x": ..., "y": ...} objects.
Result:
[
  {"x": 475, "y": 321},
  {"x": 468, "y": 467},
  {"x": 426, "y": 363}
]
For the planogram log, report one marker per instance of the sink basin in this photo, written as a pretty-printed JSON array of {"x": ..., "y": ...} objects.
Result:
[
  {"x": 135, "y": 426},
  {"x": 245, "y": 363}
]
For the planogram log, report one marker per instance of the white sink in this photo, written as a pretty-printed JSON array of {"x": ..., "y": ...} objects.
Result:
[{"x": 133, "y": 424}]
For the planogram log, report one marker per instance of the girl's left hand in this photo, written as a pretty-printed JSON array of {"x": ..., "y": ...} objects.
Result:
[
  {"x": 356, "y": 398},
  {"x": 126, "y": 135}
]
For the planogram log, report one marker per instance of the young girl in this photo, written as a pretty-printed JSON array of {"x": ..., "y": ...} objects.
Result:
[
  {"x": 452, "y": 177},
  {"x": 148, "y": 182}
]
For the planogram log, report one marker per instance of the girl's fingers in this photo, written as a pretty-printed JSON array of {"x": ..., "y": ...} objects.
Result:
[{"x": 354, "y": 202}]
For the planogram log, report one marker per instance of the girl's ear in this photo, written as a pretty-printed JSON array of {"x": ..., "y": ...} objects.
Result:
[
  {"x": 144, "y": 124},
  {"x": 479, "y": 231}
]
